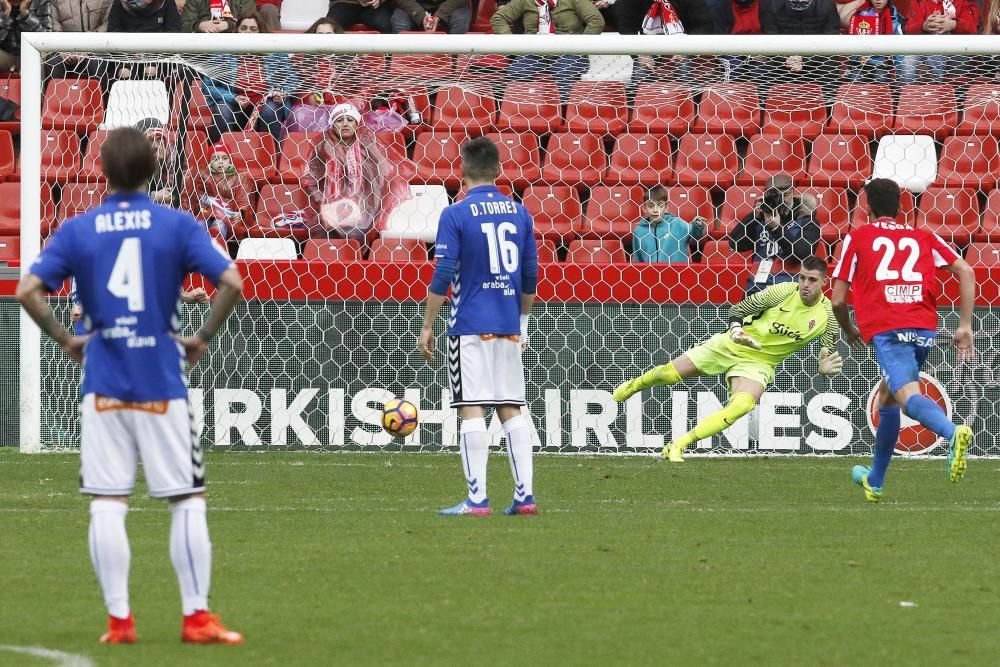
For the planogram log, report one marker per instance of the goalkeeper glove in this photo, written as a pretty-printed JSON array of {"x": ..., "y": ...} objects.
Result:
[
  {"x": 737, "y": 336},
  {"x": 830, "y": 363}
]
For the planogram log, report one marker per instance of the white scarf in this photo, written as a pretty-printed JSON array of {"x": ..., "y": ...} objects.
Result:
[
  {"x": 545, "y": 24},
  {"x": 662, "y": 19}
]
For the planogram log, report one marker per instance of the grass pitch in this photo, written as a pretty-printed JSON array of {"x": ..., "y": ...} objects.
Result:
[{"x": 340, "y": 559}]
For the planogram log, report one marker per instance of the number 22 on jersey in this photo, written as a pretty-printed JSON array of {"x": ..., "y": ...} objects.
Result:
[
  {"x": 889, "y": 250},
  {"x": 503, "y": 250},
  {"x": 125, "y": 281}
]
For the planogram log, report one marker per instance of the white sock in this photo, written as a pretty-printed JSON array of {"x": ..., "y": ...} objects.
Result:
[
  {"x": 474, "y": 446},
  {"x": 110, "y": 553},
  {"x": 518, "y": 433},
  {"x": 191, "y": 552}
]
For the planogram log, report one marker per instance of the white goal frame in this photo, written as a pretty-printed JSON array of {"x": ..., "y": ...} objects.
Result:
[{"x": 34, "y": 45}]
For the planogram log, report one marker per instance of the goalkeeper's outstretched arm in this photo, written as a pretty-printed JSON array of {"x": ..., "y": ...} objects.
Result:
[{"x": 754, "y": 305}]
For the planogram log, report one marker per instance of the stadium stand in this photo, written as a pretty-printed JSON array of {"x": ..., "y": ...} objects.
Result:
[
  {"x": 556, "y": 210},
  {"x": 332, "y": 250},
  {"x": 662, "y": 107}
]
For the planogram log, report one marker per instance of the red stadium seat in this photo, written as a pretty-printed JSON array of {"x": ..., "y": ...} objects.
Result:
[
  {"x": 73, "y": 104},
  {"x": 706, "y": 159},
  {"x": 596, "y": 251},
  {"x": 665, "y": 107},
  {"x": 531, "y": 106},
  {"x": 332, "y": 250},
  {"x": 833, "y": 212},
  {"x": 981, "y": 110},
  {"x": 10, "y": 209},
  {"x": 926, "y": 109},
  {"x": 60, "y": 158},
  {"x": 991, "y": 219},
  {"x": 79, "y": 197},
  {"x": 795, "y": 110},
  {"x": 862, "y": 108},
  {"x": 196, "y": 149},
  {"x": 597, "y": 107},
  {"x": 199, "y": 114},
  {"x": 504, "y": 189},
  {"x": 719, "y": 252},
  {"x": 91, "y": 167},
  {"x": 436, "y": 156},
  {"x": 296, "y": 150},
  {"x": 729, "y": 108},
  {"x": 951, "y": 213},
  {"x": 547, "y": 251},
  {"x": 10, "y": 248},
  {"x": 253, "y": 153},
  {"x": 481, "y": 68},
  {"x": 10, "y": 88},
  {"x": 640, "y": 159},
  {"x": 984, "y": 254},
  {"x": 520, "y": 158},
  {"x": 8, "y": 159},
  {"x": 398, "y": 250},
  {"x": 738, "y": 202},
  {"x": 612, "y": 211},
  {"x": 691, "y": 202},
  {"x": 458, "y": 110},
  {"x": 556, "y": 210},
  {"x": 839, "y": 160},
  {"x": 416, "y": 95},
  {"x": 969, "y": 162},
  {"x": 769, "y": 155},
  {"x": 574, "y": 159},
  {"x": 907, "y": 208},
  {"x": 420, "y": 66},
  {"x": 276, "y": 201}
]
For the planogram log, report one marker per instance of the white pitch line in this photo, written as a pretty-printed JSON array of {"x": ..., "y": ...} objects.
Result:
[{"x": 61, "y": 658}]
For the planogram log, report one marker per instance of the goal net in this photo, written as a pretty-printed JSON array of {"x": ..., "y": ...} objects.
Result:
[{"x": 322, "y": 162}]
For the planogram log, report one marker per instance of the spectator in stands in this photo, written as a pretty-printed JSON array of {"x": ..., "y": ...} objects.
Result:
[
  {"x": 17, "y": 16},
  {"x": 352, "y": 180},
  {"x": 219, "y": 195},
  {"x": 937, "y": 17},
  {"x": 144, "y": 16},
  {"x": 781, "y": 231},
  {"x": 259, "y": 100},
  {"x": 374, "y": 14},
  {"x": 565, "y": 17},
  {"x": 76, "y": 16},
  {"x": 611, "y": 10},
  {"x": 734, "y": 17},
  {"x": 213, "y": 15},
  {"x": 270, "y": 11},
  {"x": 162, "y": 186},
  {"x": 429, "y": 15},
  {"x": 311, "y": 111},
  {"x": 667, "y": 18},
  {"x": 661, "y": 236},
  {"x": 870, "y": 17},
  {"x": 688, "y": 16},
  {"x": 799, "y": 17},
  {"x": 991, "y": 17}
]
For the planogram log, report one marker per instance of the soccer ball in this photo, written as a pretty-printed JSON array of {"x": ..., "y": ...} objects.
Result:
[{"x": 399, "y": 417}]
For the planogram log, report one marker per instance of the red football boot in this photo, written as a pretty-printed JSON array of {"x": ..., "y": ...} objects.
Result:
[
  {"x": 204, "y": 628},
  {"x": 120, "y": 631}
]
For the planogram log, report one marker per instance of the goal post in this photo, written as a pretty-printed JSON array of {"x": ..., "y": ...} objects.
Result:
[{"x": 329, "y": 330}]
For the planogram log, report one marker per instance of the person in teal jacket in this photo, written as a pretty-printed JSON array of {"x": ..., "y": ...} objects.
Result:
[{"x": 661, "y": 236}]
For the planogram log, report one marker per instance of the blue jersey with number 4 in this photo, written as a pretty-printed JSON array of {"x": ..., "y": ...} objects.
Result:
[
  {"x": 491, "y": 242},
  {"x": 129, "y": 257}
]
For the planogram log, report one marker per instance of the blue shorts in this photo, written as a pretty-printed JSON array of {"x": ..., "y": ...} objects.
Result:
[{"x": 902, "y": 353}]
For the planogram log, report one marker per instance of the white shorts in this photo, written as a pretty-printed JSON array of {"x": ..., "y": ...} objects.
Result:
[
  {"x": 160, "y": 433},
  {"x": 485, "y": 370}
]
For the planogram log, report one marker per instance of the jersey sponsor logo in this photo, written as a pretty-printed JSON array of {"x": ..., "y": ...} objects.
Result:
[
  {"x": 812, "y": 324},
  {"x": 123, "y": 221},
  {"x": 107, "y": 404},
  {"x": 915, "y": 338},
  {"x": 904, "y": 293},
  {"x": 914, "y": 438},
  {"x": 779, "y": 329}
]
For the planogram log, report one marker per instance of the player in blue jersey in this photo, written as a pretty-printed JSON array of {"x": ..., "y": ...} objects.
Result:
[
  {"x": 129, "y": 257},
  {"x": 486, "y": 251}
]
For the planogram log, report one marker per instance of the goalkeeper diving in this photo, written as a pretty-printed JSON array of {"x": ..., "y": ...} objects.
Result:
[{"x": 764, "y": 330}]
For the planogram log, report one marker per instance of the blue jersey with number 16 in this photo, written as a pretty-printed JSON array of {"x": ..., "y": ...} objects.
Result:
[
  {"x": 490, "y": 240},
  {"x": 130, "y": 257}
]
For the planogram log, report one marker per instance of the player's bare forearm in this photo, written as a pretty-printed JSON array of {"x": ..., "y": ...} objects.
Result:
[
  {"x": 842, "y": 312},
  {"x": 434, "y": 303},
  {"x": 227, "y": 293},
  {"x": 29, "y": 293},
  {"x": 967, "y": 290},
  {"x": 527, "y": 301}
]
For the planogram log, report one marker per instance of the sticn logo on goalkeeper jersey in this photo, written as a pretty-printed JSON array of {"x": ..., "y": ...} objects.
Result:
[
  {"x": 914, "y": 438},
  {"x": 779, "y": 329}
]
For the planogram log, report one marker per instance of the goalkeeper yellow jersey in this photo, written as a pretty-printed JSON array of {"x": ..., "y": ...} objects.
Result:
[{"x": 782, "y": 324}]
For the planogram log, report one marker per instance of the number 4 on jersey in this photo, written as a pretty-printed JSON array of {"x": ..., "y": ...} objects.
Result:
[{"x": 125, "y": 281}]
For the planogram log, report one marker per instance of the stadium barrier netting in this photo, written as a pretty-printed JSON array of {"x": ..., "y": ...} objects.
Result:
[{"x": 333, "y": 228}]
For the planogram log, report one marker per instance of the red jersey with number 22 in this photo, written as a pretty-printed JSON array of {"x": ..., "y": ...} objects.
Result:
[{"x": 892, "y": 270}]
